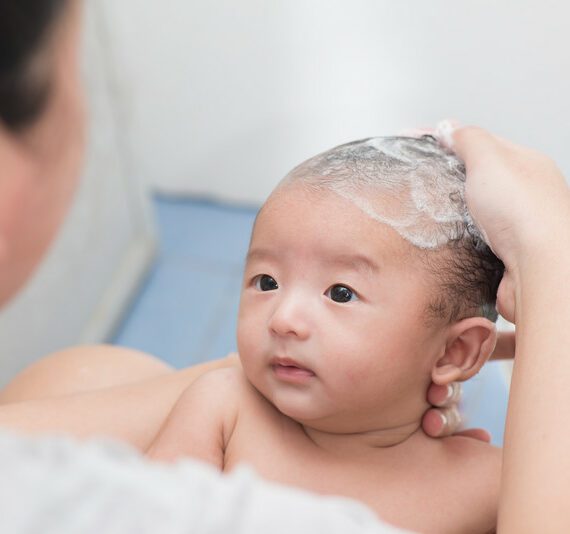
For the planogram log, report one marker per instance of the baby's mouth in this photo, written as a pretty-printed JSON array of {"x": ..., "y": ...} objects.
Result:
[{"x": 291, "y": 370}]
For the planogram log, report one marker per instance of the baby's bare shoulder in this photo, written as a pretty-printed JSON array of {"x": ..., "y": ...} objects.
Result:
[
  {"x": 472, "y": 453},
  {"x": 224, "y": 382},
  {"x": 474, "y": 471}
]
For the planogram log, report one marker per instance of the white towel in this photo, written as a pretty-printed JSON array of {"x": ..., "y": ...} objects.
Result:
[{"x": 54, "y": 485}]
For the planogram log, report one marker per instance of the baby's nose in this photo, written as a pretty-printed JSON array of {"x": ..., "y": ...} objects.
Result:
[{"x": 290, "y": 318}]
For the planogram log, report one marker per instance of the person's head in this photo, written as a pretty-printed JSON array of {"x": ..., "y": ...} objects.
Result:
[
  {"x": 363, "y": 283},
  {"x": 41, "y": 129}
]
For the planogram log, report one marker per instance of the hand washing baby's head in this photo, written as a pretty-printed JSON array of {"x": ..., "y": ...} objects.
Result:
[{"x": 365, "y": 280}]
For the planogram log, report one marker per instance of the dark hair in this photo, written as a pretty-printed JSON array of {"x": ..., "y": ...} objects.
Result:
[
  {"x": 24, "y": 28},
  {"x": 468, "y": 277},
  {"x": 420, "y": 179}
]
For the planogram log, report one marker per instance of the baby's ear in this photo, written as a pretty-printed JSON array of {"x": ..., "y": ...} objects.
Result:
[{"x": 469, "y": 344}]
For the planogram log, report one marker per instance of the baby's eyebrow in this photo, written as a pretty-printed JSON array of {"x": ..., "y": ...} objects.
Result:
[
  {"x": 355, "y": 262},
  {"x": 259, "y": 254}
]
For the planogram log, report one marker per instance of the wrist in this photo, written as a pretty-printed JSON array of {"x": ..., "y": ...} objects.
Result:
[
  {"x": 539, "y": 236},
  {"x": 541, "y": 247}
]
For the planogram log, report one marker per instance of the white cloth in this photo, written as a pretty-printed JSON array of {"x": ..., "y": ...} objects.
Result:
[{"x": 54, "y": 485}]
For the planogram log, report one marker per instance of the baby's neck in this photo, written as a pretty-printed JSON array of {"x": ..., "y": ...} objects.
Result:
[{"x": 361, "y": 442}]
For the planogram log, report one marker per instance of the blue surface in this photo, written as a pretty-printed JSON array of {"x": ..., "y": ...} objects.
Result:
[
  {"x": 485, "y": 399},
  {"x": 187, "y": 310}
]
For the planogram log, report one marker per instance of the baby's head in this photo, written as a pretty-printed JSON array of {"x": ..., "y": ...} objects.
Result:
[
  {"x": 415, "y": 187},
  {"x": 366, "y": 279}
]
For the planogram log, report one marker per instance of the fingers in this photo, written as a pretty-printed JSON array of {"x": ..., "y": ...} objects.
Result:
[
  {"x": 469, "y": 143},
  {"x": 444, "y": 396},
  {"x": 441, "y": 422},
  {"x": 475, "y": 433},
  {"x": 445, "y": 419},
  {"x": 506, "y": 301}
]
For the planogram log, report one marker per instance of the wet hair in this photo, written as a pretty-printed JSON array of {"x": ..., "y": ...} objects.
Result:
[
  {"x": 24, "y": 27},
  {"x": 417, "y": 188}
]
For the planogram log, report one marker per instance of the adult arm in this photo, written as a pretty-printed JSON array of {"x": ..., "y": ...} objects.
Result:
[
  {"x": 132, "y": 412},
  {"x": 521, "y": 201}
]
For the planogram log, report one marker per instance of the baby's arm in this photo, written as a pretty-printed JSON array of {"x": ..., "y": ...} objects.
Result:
[{"x": 202, "y": 420}]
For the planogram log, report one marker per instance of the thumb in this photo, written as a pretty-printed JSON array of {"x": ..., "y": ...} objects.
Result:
[{"x": 469, "y": 143}]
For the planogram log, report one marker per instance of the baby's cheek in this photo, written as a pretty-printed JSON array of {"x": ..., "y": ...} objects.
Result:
[
  {"x": 249, "y": 340},
  {"x": 378, "y": 369},
  {"x": 351, "y": 371}
]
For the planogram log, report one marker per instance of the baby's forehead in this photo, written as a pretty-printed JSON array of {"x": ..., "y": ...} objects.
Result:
[
  {"x": 305, "y": 209},
  {"x": 412, "y": 185}
]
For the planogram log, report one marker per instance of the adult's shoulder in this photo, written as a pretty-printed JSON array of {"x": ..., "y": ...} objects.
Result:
[{"x": 82, "y": 368}]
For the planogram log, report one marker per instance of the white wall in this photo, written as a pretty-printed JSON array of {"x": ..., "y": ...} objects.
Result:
[{"x": 227, "y": 96}]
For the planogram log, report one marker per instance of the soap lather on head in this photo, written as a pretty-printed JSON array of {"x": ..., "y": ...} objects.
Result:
[{"x": 417, "y": 188}]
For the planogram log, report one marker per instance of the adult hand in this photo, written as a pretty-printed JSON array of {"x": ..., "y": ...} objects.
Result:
[
  {"x": 509, "y": 188},
  {"x": 521, "y": 202},
  {"x": 444, "y": 418}
]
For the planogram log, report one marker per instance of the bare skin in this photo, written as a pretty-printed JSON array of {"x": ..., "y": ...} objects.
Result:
[
  {"x": 115, "y": 385},
  {"x": 332, "y": 392},
  {"x": 37, "y": 176},
  {"x": 407, "y": 484},
  {"x": 125, "y": 393},
  {"x": 522, "y": 201}
]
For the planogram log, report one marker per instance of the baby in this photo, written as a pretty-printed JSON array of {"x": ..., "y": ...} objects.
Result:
[{"x": 365, "y": 280}]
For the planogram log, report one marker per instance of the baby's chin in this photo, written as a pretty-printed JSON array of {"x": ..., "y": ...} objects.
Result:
[
  {"x": 312, "y": 406},
  {"x": 297, "y": 403},
  {"x": 309, "y": 412}
]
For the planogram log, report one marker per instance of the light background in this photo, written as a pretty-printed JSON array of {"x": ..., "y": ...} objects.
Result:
[
  {"x": 220, "y": 99},
  {"x": 225, "y": 97}
]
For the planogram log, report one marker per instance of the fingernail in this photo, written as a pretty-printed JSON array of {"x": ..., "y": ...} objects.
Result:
[
  {"x": 444, "y": 131},
  {"x": 455, "y": 416},
  {"x": 448, "y": 395},
  {"x": 444, "y": 422}
]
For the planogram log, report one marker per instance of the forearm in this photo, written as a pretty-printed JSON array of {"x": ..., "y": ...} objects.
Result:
[
  {"x": 133, "y": 413},
  {"x": 536, "y": 480}
]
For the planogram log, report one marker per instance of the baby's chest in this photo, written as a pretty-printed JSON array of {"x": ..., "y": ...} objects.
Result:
[
  {"x": 283, "y": 453},
  {"x": 279, "y": 450}
]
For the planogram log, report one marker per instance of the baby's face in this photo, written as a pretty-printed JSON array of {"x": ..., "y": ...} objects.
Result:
[{"x": 331, "y": 324}]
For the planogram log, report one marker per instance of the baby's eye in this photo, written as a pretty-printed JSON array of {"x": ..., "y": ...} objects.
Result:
[
  {"x": 341, "y": 294},
  {"x": 264, "y": 282}
]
